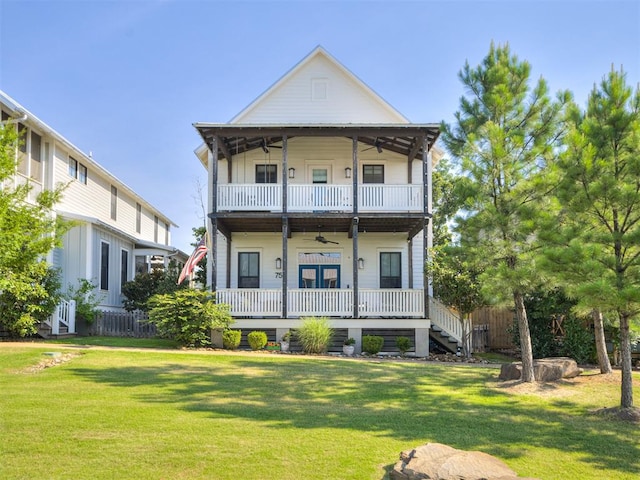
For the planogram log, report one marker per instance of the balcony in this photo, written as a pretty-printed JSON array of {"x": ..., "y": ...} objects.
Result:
[{"x": 324, "y": 198}]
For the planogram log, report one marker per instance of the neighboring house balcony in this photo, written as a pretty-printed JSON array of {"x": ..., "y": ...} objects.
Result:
[{"x": 325, "y": 198}]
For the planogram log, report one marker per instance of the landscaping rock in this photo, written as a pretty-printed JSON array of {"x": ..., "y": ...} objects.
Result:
[
  {"x": 544, "y": 369},
  {"x": 436, "y": 461}
]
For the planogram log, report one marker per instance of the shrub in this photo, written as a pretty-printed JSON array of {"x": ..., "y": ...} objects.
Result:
[
  {"x": 257, "y": 340},
  {"x": 231, "y": 339},
  {"x": 372, "y": 344},
  {"x": 315, "y": 334},
  {"x": 187, "y": 316},
  {"x": 403, "y": 344},
  {"x": 87, "y": 300},
  {"x": 579, "y": 342},
  {"x": 350, "y": 341}
]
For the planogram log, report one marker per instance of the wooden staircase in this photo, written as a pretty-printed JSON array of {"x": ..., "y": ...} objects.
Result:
[
  {"x": 446, "y": 328},
  {"x": 62, "y": 324}
]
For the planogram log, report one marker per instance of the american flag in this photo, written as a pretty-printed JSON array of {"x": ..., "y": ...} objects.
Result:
[{"x": 196, "y": 256}]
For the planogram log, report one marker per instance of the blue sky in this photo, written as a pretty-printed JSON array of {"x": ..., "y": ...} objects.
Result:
[{"x": 127, "y": 79}]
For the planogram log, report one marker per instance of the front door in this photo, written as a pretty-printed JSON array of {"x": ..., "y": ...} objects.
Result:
[
  {"x": 320, "y": 176},
  {"x": 319, "y": 276}
]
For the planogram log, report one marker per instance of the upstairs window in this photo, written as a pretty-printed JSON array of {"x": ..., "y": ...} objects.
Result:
[
  {"x": 73, "y": 167},
  {"x": 138, "y": 218},
  {"x": 114, "y": 203},
  {"x": 155, "y": 228},
  {"x": 266, "y": 174},
  {"x": 36, "y": 157},
  {"x": 373, "y": 174},
  {"x": 82, "y": 174}
]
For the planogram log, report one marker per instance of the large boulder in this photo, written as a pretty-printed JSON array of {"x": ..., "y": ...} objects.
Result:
[
  {"x": 435, "y": 461},
  {"x": 544, "y": 369}
]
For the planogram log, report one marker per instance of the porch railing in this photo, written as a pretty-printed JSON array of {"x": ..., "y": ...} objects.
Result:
[
  {"x": 323, "y": 302},
  {"x": 326, "y": 198},
  {"x": 63, "y": 317}
]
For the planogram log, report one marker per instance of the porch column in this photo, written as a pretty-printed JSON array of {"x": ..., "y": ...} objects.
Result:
[
  {"x": 212, "y": 177},
  {"x": 354, "y": 226},
  {"x": 285, "y": 226},
  {"x": 285, "y": 235},
  {"x": 426, "y": 238}
]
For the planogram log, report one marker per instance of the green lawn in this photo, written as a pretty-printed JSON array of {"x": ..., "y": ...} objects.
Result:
[{"x": 115, "y": 414}]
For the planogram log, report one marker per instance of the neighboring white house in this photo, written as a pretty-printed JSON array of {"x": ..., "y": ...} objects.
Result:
[
  {"x": 320, "y": 197},
  {"x": 117, "y": 232}
]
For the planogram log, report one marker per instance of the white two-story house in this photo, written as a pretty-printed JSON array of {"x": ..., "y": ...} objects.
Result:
[
  {"x": 320, "y": 197},
  {"x": 116, "y": 234}
]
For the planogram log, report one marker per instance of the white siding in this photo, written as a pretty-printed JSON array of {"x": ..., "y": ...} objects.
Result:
[
  {"x": 345, "y": 99},
  {"x": 111, "y": 298}
]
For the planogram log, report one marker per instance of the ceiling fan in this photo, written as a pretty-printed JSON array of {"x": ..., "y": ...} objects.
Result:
[
  {"x": 321, "y": 239},
  {"x": 265, "y": 147},
  {"x": 377, "y": 145}
]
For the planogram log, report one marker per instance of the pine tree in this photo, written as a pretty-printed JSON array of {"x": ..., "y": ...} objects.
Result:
[
  {"x": 504, "y": 136},
  {"x": 599, "y": 191}
]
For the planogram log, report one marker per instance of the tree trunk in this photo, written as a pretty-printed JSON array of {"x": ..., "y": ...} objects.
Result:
[
  {"x": 526, "y": 350},
  {"x": 626, "y": 397},
  {"x": 601, "y": 345}
]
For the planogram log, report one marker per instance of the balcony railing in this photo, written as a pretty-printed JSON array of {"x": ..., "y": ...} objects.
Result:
[
  {"x": 325, "y": 198},
  {"x": 323, "y": 302}
]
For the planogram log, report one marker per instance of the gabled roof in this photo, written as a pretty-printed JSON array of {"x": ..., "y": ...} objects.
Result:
[{"x": 318, "y": 55}]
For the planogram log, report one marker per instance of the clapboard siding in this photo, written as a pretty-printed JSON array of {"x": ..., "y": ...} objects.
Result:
[
  {"x": 346, "y": 100},
  {"x": 111, "y": 298}
]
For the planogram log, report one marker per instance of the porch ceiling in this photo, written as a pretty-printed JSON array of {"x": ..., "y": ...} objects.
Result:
[
  {"x": 304, "y": 223},
  {"x": 406, "y": 139}
]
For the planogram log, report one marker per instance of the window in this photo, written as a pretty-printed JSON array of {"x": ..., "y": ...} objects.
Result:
[
  {"x": 82, "y": 174},
  {"x": 124, "y": 267},
  {"x": 248, "y": 270},
  {"x": 390, "y": 270},
  {"x": 114, "y": 203},
  {"x": 73, "y": 167},
  {"x": 22, "y": 153},
  {"x": 5, "y": 116},
  {"x": 141, "y": 264},
  {"x": 36, "y": 157},
  {"x": 266, "y": 174},
  {"x": 155, "y": 228},
  {"x": 138, "y": 217},
  {"x": 166, "y": 234},
  {"x": 104, "y": 266},
  {"x": 373, "y": 174}
]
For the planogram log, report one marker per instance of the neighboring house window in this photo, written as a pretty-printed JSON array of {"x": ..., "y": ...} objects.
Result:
[
  {"x": 104, "y": 266},
  {"x": 22, "y": 153},
  {"x": 36, "y": 157},
  {"x": 155, "y": 228},
  {"x": 5, "y": 116},
  {"x": 73, "y": 167},
  {"x": 390, "y": 276},
  {"x": 166, "y": 234},
  {"x": 266, "y": 174},
  {"x": 114, "y": 203},
  {"x": 82, "y": 174},
  {"x": 373, "y": 174},
  {"x": 141, "y": 264},
  {"x": 138, "y": 217},
  {"x": 124, "y": 267},
  {"x": 248, "y": 270}
]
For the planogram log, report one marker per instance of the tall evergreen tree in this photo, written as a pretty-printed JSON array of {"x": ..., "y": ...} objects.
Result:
[
  {"x": 504, "y": 135},
  {"x": 599, "y": 191}
]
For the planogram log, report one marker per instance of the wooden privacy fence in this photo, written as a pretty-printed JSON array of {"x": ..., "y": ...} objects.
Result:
[
  {"x": 498, "y": 323},
  {"x": 122, "y": 324}
]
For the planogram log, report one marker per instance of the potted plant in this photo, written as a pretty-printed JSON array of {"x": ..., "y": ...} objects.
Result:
[
  {"x": 284, "y": 342},
  {"x": 349, "y": 346}
]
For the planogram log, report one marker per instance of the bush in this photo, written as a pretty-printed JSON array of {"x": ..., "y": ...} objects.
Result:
[
  {"x": 187, "y": 316},
  {"x": 372, "y": 344},
  {"x": 579, "y": 342},
  {"x": 87, "y": 300},
  {"x": 403, "y": 344},
  {"x": 315, "y": 334},
  {"x": 257, "y": 340},
  {"x": 231, "y": 339}
]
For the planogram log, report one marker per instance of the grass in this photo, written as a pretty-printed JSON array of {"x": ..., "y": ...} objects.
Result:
[
  {"x": 118, "y": 342},
  {"x": 152, "y": 414}
]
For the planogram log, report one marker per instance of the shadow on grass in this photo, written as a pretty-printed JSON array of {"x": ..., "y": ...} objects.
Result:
[{"x": 452, "y": 405}]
